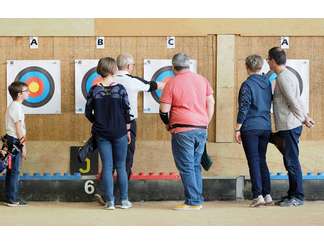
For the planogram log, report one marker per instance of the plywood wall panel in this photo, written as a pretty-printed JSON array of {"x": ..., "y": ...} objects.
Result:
[{"x": 69, "y": 126}]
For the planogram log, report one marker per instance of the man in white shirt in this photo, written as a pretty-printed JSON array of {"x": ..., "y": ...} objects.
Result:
[{"x": 133, "y": 85}]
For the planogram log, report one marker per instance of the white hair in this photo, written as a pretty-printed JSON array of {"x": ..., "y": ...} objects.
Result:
[{"x": 123, "y": 60}]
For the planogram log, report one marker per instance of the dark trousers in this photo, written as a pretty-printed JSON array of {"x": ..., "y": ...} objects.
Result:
[
  {"x": 255, "y": 144},
  {"x": 131, "y": 149},
  {"x": 287, "y": 143}
]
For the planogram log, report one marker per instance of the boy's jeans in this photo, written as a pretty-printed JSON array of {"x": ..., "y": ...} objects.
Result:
[{"x": 12, "y": 175}]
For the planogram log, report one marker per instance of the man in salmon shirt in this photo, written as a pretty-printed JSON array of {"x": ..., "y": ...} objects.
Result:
[{"x": 186, "y": 108}]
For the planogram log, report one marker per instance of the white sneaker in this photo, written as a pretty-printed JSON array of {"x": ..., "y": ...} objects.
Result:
[
  {"x": 257, "y": 202},
  {"x": 268, "y": 200},
  {"x": 109, "y": 206},
  {"x": 125, "y": 204}
]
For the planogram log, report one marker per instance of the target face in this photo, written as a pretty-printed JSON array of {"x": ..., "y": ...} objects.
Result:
[
  {"x": 40, "y": 84},
  {"x": 159, "y": 76},
  {"x": 90, "y": 78},
  {"x": 43, "y": 78},
  {"x": 158, "y": 70}
]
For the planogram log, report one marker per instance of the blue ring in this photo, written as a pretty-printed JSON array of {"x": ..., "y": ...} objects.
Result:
[{"x": 46, "y": 90}]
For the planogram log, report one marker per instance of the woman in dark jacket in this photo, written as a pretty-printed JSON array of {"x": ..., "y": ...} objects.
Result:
[
  {"x": 254, "y": 127},
  {"x": 107, "y": 109}
]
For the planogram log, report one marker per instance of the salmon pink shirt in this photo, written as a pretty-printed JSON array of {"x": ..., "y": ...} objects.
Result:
[{"x": 187, "y": 94}]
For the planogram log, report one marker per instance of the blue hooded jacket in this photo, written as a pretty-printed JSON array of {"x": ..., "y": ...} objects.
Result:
[{"x": 255, "y": 99}]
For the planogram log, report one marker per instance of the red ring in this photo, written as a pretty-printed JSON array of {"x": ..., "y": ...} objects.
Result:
[{"x": 41, "y": 86}]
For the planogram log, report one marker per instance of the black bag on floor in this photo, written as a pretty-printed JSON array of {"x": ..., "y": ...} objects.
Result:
[
  {"x": 206, "y": 161},
  {"x": 85, "y": 151}
]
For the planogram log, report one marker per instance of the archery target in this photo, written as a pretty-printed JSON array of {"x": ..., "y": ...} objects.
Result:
[
  {"x": 159, "y": 76},
  {"x": 90, "y": 78},
  {"x": 85, "y": 77},
  {"x": 158, "y": 70},
  {"x": 43, "y": 80},
  {"x": 300, "y": 68},
  {"x": 40, "y": 84}
]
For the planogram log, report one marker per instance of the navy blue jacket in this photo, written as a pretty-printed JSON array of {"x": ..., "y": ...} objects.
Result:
[
  {"x": 254, "y": 101},
  {"x": 107, "y": 109}
]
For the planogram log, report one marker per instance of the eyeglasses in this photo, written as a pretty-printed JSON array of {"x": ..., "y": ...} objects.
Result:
[{"x": 26, "y": 90}]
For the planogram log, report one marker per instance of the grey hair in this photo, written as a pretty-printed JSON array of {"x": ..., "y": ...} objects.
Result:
[
  {"x": 254, "y": 62},
  {"x": 123, "y": 60},
  {"x": 180, "y": 61}
]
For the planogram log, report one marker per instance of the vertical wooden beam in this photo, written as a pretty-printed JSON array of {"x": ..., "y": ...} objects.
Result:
[{"x": 225, "y": 86}]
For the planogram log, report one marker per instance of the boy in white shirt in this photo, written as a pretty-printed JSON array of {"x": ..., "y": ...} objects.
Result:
[{"x": 16, "y": 141}]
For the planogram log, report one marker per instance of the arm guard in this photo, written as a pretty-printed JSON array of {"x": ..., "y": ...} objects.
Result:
[{"x": 164, "y": 117}]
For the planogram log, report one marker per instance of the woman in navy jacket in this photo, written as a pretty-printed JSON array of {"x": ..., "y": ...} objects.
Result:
[
  {"x": 254, "y": 127},
  {"x": 107, "y": 109}
]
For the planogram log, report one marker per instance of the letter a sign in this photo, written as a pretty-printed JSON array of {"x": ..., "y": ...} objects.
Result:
[
  {"x": 284, "y": 42},
  {"x": 33, "y": 42}
]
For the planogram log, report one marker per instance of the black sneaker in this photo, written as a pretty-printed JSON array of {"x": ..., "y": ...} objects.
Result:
[
  {"x": 293, "y": 202},
  {"x": 283, "y": 199},
  {"x": 20, "y": 203}
]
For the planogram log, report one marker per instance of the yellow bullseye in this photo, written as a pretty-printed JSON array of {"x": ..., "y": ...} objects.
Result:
[{"x": 33, "y": 87}]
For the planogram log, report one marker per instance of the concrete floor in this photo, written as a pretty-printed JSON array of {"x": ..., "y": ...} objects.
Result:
[{"x": 161, "y": 213}]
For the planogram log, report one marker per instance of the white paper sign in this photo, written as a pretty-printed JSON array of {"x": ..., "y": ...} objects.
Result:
[
  {"x": 284, "y": 42},
  {"x": 43, "y": 78},
  {"x": 170, "y": 42},
  {"x": 33, "y": 42},
  {"x": 100, "y": 42},
  {"x": 157, "y": 70}
]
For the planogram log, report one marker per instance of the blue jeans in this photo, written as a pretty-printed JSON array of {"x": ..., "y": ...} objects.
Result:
[
  {"x": 113, "y": 153},
  {"x": 187, "y": 149},
  {"x": 290, "y": 150},
  {"x": 255, "y": 144},
  {"x": 12, "y": 175}
]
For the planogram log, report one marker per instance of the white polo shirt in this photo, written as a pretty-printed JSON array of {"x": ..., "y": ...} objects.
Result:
[{"x": 133, "y": 85}]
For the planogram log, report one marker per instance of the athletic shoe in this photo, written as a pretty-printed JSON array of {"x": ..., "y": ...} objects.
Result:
[
  {"x": 268, "y": 200},
  {"x": 293, "y": 202},
  {"x": 256, "y": 202},
  {"x": 125, "y": 204},
  {"x": 185, "y": 207},
  {"x": 109, "y": 206},
  {"x": 20, "y": 203}
]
